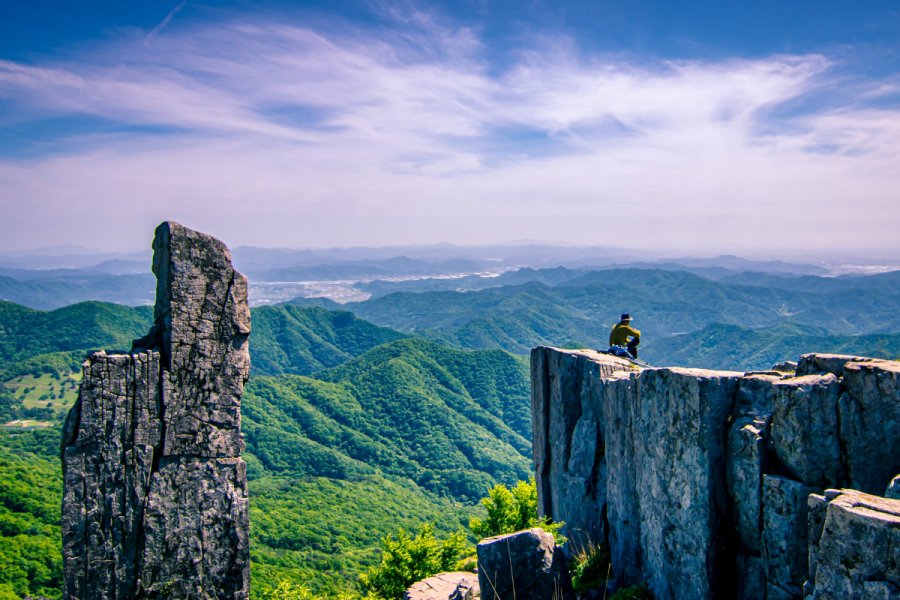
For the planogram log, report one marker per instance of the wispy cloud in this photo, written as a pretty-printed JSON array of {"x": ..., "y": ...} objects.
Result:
[
  {"x": 162, "y": 24},
  {"x": 281, "y": 133}
]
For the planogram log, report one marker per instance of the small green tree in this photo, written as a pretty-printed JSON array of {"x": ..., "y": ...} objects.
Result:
[
  {"x": 406, "y": 559},
  {"x": 510, "y": 510},
  {"x": 285, "y": 590}
]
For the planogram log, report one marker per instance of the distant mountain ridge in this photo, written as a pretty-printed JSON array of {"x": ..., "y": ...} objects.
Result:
[
  {"x": 562, "y": 307},
  {"x": 47, "y": 280},
  {"x": 581, "y": 308}
]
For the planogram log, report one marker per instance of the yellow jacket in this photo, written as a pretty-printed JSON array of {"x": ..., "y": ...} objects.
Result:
[{"x": 621, "y": 332}]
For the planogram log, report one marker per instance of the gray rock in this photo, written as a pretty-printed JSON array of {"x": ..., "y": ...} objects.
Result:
[
  {"x": 805, "y": 428},
  {"x": 858, "y": 549},
  {"x": 203, "y": 321},
  {"x": 110, "y": 442},
  {"x": 820, "y": 364},
  {"x": 623, "y": 511},
  {"x": 155, "y": 491},
  {"x": 787, "y": 366},
  {"x": 816, "y": 505},
  {"x": 893, "y": 489},
  {"x": 755, "y": 396},
  {"x": 751, "y": 577},
  {"x": 745, "y": 468},
  {"x": 526, "y": 564},
  {"x": 681, "y": 420},
  {"x": 196, "y": 533},
  {"x": 870, "y": 424},
  {"x": 458, "y": 585},
  {"x": 713, "y": 480},
  {"x": 785, "y": 531}
]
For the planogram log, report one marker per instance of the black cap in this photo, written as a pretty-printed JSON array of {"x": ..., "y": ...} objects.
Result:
[{"x": 625, "y": 317}]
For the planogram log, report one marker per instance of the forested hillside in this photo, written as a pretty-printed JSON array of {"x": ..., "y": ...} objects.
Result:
[
  {"x": 290, "y": 339},
  {"x": 398, "y": 433},
  {"x": 90, "y": 325}
]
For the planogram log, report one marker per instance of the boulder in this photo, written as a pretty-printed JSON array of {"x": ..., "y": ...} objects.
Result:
[
  {"x": 820, "y": 364},
  {"x": 893, "y": 489},
  {"x": 755, "y": 396},
  {"x": 526, "y": 564}
]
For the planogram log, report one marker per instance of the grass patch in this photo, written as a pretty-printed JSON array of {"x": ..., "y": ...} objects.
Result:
[
  {"x": 590, "y": 568},
  {"x": 47, "y": 390}
]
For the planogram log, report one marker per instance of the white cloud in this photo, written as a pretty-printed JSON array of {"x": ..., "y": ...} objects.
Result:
[{"x": 286, "y": 135}]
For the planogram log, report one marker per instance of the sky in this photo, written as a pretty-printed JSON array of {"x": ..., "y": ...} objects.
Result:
[{"x": 755, "y": 128}]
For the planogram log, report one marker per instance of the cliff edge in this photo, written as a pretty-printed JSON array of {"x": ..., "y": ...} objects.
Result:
[{"x": 716, "y": 484}]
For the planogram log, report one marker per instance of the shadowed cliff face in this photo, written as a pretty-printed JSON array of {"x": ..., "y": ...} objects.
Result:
[
  {"x": 711, "y": 484},
  {"x": 155, "y": 499}
]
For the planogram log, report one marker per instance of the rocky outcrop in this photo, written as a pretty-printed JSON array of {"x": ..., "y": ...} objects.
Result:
[
  {"x": 698, "y": 481},
  {"x": 155, "y": 498},
  {"x": 525, "y": 564},
  {"x": 456, "y": 585},
  {"x": 854, "y": 551}
]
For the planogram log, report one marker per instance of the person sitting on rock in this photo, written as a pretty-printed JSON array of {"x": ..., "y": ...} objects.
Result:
[{"x": 620, "y": 333}]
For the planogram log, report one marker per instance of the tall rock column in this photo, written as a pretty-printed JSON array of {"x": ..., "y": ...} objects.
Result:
[
  {"x": 567, "y": 420},
  {"x": 155, "y": 500}
]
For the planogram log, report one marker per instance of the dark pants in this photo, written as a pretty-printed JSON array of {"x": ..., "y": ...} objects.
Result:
[{"x": 632, "y": 346}]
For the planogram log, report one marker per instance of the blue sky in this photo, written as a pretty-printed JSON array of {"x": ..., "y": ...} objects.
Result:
[{"x": 748, "y": 127}]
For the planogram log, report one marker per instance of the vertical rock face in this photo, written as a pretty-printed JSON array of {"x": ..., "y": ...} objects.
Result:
[
  {"x": 677, "y": 460},
  {"x": 155, "y": 499},
  {"x": 569, "y": 430},
  {"x": 708, "y": 478}
]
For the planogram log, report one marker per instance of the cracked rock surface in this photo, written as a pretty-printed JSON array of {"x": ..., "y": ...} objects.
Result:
[{"x": 155, "y": 490}]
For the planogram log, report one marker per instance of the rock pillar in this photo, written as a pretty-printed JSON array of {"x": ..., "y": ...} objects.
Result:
[{"x": 155, "y": 500}]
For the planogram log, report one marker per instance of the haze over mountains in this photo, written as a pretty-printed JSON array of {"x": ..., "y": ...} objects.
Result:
[
  {"x": 55, "y": 277},
  {"x": 722, "y": 312}
]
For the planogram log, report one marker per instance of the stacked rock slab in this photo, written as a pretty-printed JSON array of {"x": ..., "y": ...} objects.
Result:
[
  {"x": 155, "y": 499},
  {"x": 705, "y": 476}
]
